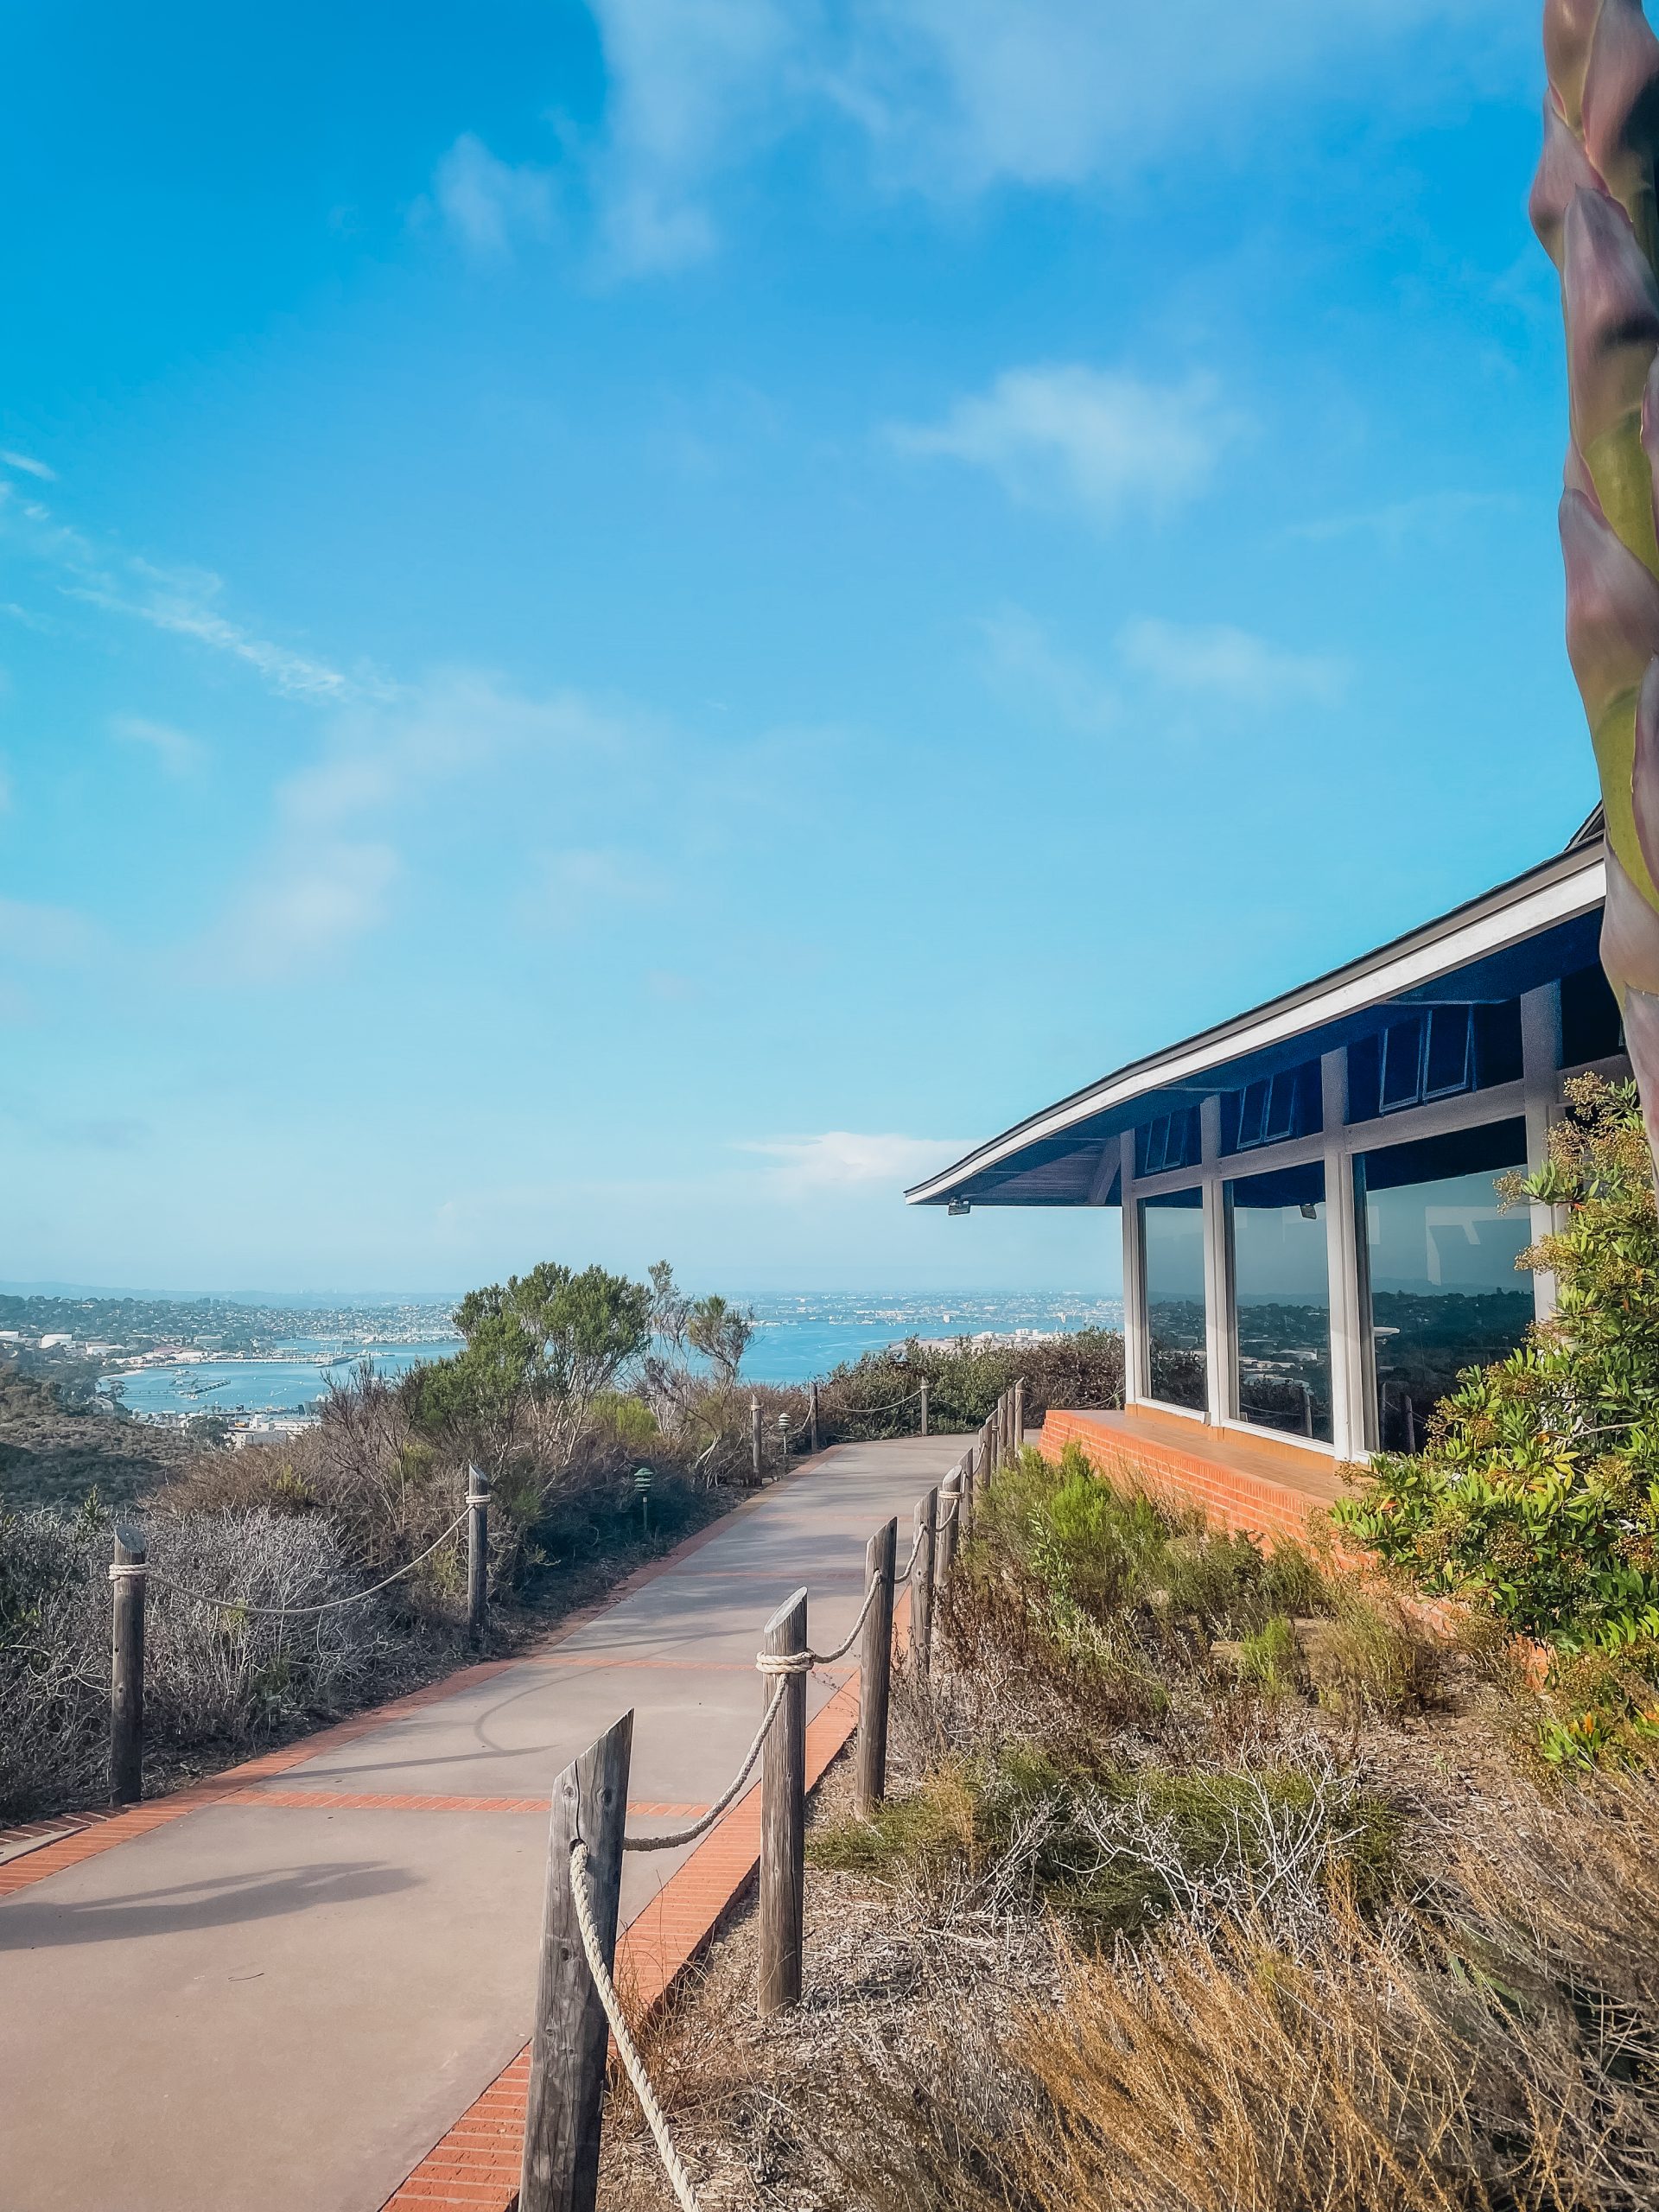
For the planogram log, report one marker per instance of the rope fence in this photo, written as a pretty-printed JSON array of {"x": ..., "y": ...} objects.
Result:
[
  {"x": 566, "y": 2070},
  {"x": 577, "y": 2006},
  {"x": 281, "y": 1612}
]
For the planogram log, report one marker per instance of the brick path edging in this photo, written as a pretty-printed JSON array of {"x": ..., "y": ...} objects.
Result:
[
  {"x": 474, "y": 2165},
  {"x": 100, "y": 1828}
]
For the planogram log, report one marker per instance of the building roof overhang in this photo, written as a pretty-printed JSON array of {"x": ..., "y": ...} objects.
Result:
[{"x": 1532, "y": 930}]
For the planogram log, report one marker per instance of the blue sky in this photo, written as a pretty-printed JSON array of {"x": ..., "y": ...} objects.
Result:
[{"x": 622, "y": 626}]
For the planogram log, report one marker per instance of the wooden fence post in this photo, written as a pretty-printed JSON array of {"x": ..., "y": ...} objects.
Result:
[
  {"x": 944, "y": 1556},
  {"x": 756, "y": 1445},
  {"x": 1019, "y": 1416},
  {"x": 567, "y": 2058},
  {"x": 127, "y": 1669},
  {"x": 970, "y": 1487},
  {"x": 477, "y": 1554},
  {"x": 924, "y": 1405},
  {"x": 875, "y": 1673},
  {"x": 921, "y": 1580},
  {"x": 814, "y": 1430},
  {"x": 783, "y": 1819}
]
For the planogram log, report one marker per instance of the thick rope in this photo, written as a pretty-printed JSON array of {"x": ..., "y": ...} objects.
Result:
[
  {"x": 701, "y": 1827},
  {"x": 829, "y": 1658},
  {"x": 627, "y": 2050},
  {"x": 298, "y": 1612},
  {"x": 865, "y": 1413},
  {"x": 899, "y": 1581}
]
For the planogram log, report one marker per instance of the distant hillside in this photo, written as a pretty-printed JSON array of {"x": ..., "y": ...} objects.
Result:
[{"x": 54, "y": 1454}]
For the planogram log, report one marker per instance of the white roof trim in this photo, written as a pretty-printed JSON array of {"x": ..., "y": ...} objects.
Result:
[{"x": 1418, "y": 962}]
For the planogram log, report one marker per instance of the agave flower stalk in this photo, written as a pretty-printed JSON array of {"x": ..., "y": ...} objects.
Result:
[{"x": 1595, "y": 209}]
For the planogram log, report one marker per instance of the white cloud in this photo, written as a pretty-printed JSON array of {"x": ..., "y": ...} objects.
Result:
[
  {"x": 29, "y": 465},
  {"x": 302, "y": 911},
  {"x": 1426, "y": 514},
  {"x": 177, "y": 754},
  {"x": 178, "y": 600},
  {"x": 843, "y": 1160},
  {"x": 1100, "y": 440},
  {"x": 1036, "y": 674},
  {"x": 487, "y": 204},
  {"x": 579, "y": 885},
  {"x": 45, "y": 936},
  {"x": 1234, "y": 667},
  {"x": 956, "y": 97},
  {"x": 694, "y": 86},
  {"x": 182, "y": 601}
]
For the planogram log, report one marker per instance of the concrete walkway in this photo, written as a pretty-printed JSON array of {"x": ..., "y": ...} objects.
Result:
[{"x": 283, "y": 1995}]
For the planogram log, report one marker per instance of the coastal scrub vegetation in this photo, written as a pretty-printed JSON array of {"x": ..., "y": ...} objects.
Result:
[
  {"x": 1209, "y": 1880},
  {"x": 1535, "y": 1498},
  {"x": 567, "y": 1382}
]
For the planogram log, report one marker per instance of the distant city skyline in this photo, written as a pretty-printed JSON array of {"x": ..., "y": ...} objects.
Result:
[{"x": 624, "y": 627}]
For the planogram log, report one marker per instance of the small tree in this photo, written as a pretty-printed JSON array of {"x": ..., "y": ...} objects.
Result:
[
  {"x": 722, "y": 1333},
  {"x": 546, "y": 1343}
]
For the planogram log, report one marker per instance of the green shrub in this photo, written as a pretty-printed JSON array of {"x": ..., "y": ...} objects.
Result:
[
  {"x": 1082, "y": 1368},
  {"x": 1538, "y": 1492},
  {"x": 1117, "y": 1849},
  {"x": 1271, "y": 1658},
  {"x": 1090, "y": 1550}
]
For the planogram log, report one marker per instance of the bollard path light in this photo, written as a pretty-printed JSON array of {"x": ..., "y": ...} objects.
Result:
[{"x": 643, "y": 1480}]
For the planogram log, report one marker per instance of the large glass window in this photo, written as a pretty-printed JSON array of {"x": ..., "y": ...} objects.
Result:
[
  {"x": 1281, "y": 1300},
  {"x": 1442, "y": 1253},
  {"x": 1172, "y": 1244}
]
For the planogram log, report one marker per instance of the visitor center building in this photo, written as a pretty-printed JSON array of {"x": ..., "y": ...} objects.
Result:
[{"x": 1315, "y": 1239}]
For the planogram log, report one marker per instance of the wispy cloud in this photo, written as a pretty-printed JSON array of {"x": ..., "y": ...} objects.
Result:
[
  {"x": 1234, "y": 667},
  {"x": 45, "y": 936},
  {"x": 184, "y": 601},
  {"x": 1100, "y": 440},
  {"x": 584, "y": 884},
  {"x": 487, "y": 205},
  {"x": 335, "y": 853},
  {"x": 175, "y": 752},
  {"x": 29, "y": 465},
  {"x": 1035, "y": 672},
  {"x": 1426, "y": 514},
  {"x": 954, "y": 97},
  {"x": 301, "y": 909},
  {"x": 844, "y": 1159}
]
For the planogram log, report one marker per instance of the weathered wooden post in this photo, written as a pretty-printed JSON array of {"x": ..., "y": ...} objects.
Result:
[
  {"x": 875, "y": 1673},
  {"x": 128, "y": 1574},
  {"x": 921, "y": 1580},
  {"x": 477, "y": 1554},
  {"x": 944, "y": 1556},
  {"x": 783, "y": 1818},
  {"x": 970, "y": 1489},
  {"x": 756, "y": 1445},
  {"x": 813, "y": 1418},
  {"x": 1019, "y": 1416},
  {"x": 924, "y": 1405},
  {"x": 559, "y": 2171}
]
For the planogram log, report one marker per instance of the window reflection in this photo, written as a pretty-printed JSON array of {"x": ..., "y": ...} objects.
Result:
[
  {"x": 1443, "y": 1291},
  {"x": 1281, "y": 1300},
  {"x": 1172, "y": 1243}
]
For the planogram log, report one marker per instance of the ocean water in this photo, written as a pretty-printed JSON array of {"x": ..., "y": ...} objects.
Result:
[{"x": 795, "y": 1337}]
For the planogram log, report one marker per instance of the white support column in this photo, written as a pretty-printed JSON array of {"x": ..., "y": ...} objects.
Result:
[
  {"x": 1135, "y": 1370},
  {"x": 1345, "y": 1256},
  {"x": 1217, "y": 1273},
  {"x": 1541, "y": 1063}
]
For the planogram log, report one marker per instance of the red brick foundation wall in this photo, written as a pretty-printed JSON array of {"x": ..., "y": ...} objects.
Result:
[{"x": 1251, "y": 1504}]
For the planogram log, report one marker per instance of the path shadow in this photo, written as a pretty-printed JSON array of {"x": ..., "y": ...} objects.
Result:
[{"x": 36, "y": 1923}]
